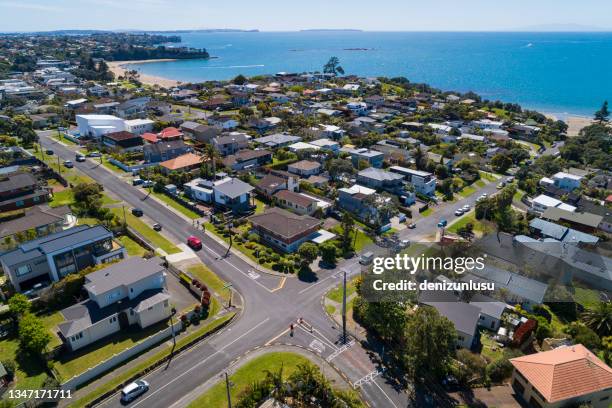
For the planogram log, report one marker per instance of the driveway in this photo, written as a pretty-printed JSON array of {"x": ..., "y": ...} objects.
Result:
[
  {"x": 499, "y": 397},
  {"x": 180, "y": 295}
]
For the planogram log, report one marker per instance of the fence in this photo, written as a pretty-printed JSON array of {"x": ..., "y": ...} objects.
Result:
[
  {"x": 131, "y": 168},
  {"x": 185, "y": 204},
  {"x": 117, "y": 359}
]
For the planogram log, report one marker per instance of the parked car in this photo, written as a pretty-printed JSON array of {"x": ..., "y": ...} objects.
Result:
[
  {"x": 94, "y": 154},
  {"x": 157, "y": 227},
  {"x": 134, "y": 390},
  {"x": 68, "y": 164},
  {"x": 137, "y": 181},
  {"x": 412, "y": 225},
  {"x": 459, "y": 212},
  {"x": 366, "y": 258},
  {"x": 510, "y": 179},
  {"x": 501, "y": 185},
  {"x": 466, "y": 208},
  {"x": 147, "y": 183},
  {"x": 404, "y": 243},
  {"x": 443, "y": 223},
  {"x": 79, "y": 157},
  {"x": 49, "y": 152},
  {"x": 137, "y": 212},
  {"x": 194, "y": 243}
]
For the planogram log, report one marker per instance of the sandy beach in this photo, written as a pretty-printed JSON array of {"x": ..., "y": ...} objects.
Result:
[
  {"x": 574, "y": 123},
  {"x": 119, "y": 67}
]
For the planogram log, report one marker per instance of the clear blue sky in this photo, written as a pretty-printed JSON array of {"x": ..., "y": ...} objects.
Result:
[{"x": 285, "y": 15}]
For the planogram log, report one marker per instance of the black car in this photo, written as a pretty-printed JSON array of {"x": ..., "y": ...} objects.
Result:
[
  {"x": 157, "y": 227},
  {"x": 49, "y": 152},
  {"x": 137, "y": 212}
]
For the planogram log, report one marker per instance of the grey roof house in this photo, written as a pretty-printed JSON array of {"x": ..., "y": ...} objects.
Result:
[{"x": 277, "y": 140}]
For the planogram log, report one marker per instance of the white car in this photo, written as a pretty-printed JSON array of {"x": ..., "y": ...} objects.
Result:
[
  {"x": 459, "y": 212},
  {"x": 466, "y": 208},
  {"x": 134, "y": 390}
]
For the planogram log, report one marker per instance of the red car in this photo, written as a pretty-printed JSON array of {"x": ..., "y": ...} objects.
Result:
[{"x": 194, "y": 243}]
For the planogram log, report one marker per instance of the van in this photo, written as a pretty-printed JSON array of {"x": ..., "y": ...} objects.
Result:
[
  {"x": 137, "y": 181},
  {"x": 366, "y": 258}
]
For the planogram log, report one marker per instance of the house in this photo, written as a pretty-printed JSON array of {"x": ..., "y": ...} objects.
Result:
[
  {"x": 423, "y": 181},
  {"x": 277, "y": 140},
  {"x": 566, "y": 181},
  {"x": 543, "y": 202},
  {"x": 361, "y": 201},
  {"x": 134, "y": 108},
  {"x": 97, "y": 125},
  {"x": 199, "y": 132},
  {"x": 182, "y": 94},
  {"x": 223, "y": 122},
  {"x": 491, "y": 311},
  {"x": 184, "y": 162},
  {"x": 327, "y": 144},
  {"x": 357, "y": 108},
  {"x": 374, "y": 101},
  {"x": 50, "y": 258},
  {"x": 43, "y": 120},
  {"x": 283, "y": 229},
  {"x": 123, "y": 140},
  {"x": 296, "y": 202},
  {"x": 562, "y": 377},
  {"x": 170, "y": 133},
  {"x": 371, "y": 157},
  {"x": 545, "y": 229},
  {"x": 20, "y": 190},
  {"x": 131, "y": 292},
  {"x": 233, "y": 194},
  {"x": 230, "y": 144},
  {"x": 304, "y": 168},
  {"x": 271, "y": 183},
  {"x": 105, "y": 108},
  {"x": 302, "y": 147},
  {"x": 464, "y": 317},
  {"x": 162, "y": 151},
  {"x": 41, "y": 220},
  {"x": 139, "y": 126},
  {"x": 246, "y": 159}
]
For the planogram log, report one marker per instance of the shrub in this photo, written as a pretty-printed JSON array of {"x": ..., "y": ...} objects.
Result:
[
  {"x": 9, "y": 366},
  {"x": 499, "y": 370}
]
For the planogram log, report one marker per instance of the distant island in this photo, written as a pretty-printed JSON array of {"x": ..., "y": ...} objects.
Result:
[{"x": 331, "y": 29}]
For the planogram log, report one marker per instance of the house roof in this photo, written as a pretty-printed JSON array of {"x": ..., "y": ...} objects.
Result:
[
  {"x": 170, "y": 132},
  {"x": 239, "y": 138},
  {"x": 516, "y": 284},
  {"x": 278, "y": 139},
  {"x": 150, "y": 137},
  {"x": 463, "y": 315},
  {"x": 564, "y": 372},
  {"x": 245, "y": 155},
  {"x": 379, "y": 174},
  {"x": 233, "y": 188},
  {"x": 284, "y": 223},
  {"x": 271, "y": 182},
  {"x": 124, "y": 273},
  {"x": 165, "y": 146},
  {"x": 17, "y": 181},
  {"x": 34, "y": 217},
  {"x": 488, "y": 305},
  {"x": 122, "y": 135},
  {"x": 583, "y": 218},
  {"x": 296, "y": 198},
  {"x": 183, "y": 161},
  {"x": 305, "y": 165}
]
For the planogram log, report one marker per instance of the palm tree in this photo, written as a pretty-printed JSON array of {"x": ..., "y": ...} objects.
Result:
[
  {"x": 599, "y": 319},
  {"x": 275, "y": 379}
]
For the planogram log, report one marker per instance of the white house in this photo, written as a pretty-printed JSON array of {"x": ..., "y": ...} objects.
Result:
[
  {"x": 139, "y": 126},
  {"x": 357, "y": 108},
  {"x": 543, "y": 202},
  {"x": 97, "y": 125},
  {"x": 423, "y": 181},
  {"x": 566, "y": 181}
]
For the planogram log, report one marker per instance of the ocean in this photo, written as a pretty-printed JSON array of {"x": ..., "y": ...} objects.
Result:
[{"x": 560, "y": 73}]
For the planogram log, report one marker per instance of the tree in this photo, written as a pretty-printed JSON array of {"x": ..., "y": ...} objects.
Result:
[
  {"x": 308, "y": 252},
  {"x": 348, "y": 225},
  {"x": 472, "y": 366},
  {"x": 602, "y": 114},
  {"x": 430, "y": 344},
  {"x": 328, "y": 253},
  {"x": 501, "y": 163},
  {"x": 338, "y": 167},
  {"x": 19, "y": 305},
  {"x": 240, "y": 80},
  {"x": 33, "y": 336},
  {"x": 599, "y": 319},
  {"x": 583, "y": 335},
  {"x": 333, "y": 67}
]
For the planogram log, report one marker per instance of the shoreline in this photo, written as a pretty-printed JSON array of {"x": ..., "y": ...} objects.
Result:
[
  {"x": 119, "y": 67},
  {"x": 575, "y": 123}
]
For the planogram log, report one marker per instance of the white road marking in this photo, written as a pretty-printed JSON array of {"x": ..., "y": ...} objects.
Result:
[
  {"x": 317, "y": 346},
  {"x": 384, "y": 393},
  {"x": 201, "y": 362}
]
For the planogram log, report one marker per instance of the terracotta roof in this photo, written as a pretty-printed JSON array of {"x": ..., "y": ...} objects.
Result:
[
  {"x": 295, "y": 198},
  {"x": 150, "y": 137},
  {"x": 181, "y": 162},
  {"x": 170, "y": 132},
  {"x": 284, "y": 223},
  {"x": 565, "y": 372}
]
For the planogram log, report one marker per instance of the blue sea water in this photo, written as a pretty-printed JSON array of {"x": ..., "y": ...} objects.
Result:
[{"x": 553, "y": 72}]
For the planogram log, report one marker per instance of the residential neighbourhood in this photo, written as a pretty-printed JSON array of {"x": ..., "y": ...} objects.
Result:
[{"x": 141, "y": 223}]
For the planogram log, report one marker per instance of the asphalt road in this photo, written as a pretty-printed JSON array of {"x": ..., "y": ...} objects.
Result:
[{"x": 266, "y": 315}]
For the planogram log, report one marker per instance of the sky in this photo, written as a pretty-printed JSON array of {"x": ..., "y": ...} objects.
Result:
[{"x": 290, "y": 15}]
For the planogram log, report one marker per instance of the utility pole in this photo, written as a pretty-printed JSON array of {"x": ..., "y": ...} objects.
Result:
[
  {"x": 228, "y": 286},
  {"x": 124, "y": 220},
  {"x": 227, "y": 386},
  {"x": 230, "y": 226},
  {"x": 344, "y": 309},
  {"x": 59, "y": 167}
]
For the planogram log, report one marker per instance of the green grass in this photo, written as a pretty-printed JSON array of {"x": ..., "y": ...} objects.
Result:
[
  {"x": 132, "y": 247},
  {"x": 154, "y": 238},
  {"x": 64, "y": 140},
  {"x": 466, "y": 219},
  {"x": 487, "y": 176},
  {"x": 121, "y": 378},
  {"x": 260, "y": 206},
  {"x": 518, "y": 195},
  {"x": 487, "y": 347},
  {"x": 480, "y": 183},
  {"x": 362, "y": 240},
  {"x": 112, "y": 167},
  {"x": 250, "y": 372},
  {"x": 51, "y": 321},
  {"x": 427, "y": 212},
  {"x": 30, "y": 373},
  {"x": 64, "y": 197},
  {"x": 330, "y": 309},
  {"x": 177, "y": 206},
  {"x": 70, "y": 364},
  {"x": 336, "y": 293},
  {"x": 467, "y": 191},
  {"x": 588, "y": 298},
  {"x": 205, "y": 275}
]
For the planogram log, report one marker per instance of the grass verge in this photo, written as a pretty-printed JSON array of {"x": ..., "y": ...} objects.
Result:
[
  {"x": 205, "y": 275},
  {"x": 154, "y": 238},
  {"x": 177, "y": 206}
]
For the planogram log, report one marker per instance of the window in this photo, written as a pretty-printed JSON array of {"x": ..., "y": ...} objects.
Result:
[
  {"x": 131, "y": 312},
  {"x": 604, "y": 398},
  {"x": 165, "y": 303},
  {"x": 150, "y": 308},
  {"x": 23, "y": 270},
  {"x": 112, "y": 319}
]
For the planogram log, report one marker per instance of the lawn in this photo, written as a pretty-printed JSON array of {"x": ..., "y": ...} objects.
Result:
[
  {"x": 121, "y": 378},
  {"x": 177, "y": 206},
  {"x": 466, "y": 219},
  {"x": 63, "y": 140},
  {"x": 588, "y": 298},
  {"x": 490, "y": 349},
  {"x": 362, "y": 241},
  {"x": 330, "y": 309},
  {"x": 336, "y": 293},
  {"x": 131, "y": 246},
  {"x": 427, "y": 212},
  {"x": 64, "y": 197},
  {"x": 154, "y": 238},
  {"x": 518, "y": 195},
  {"x": 112, "y": 167},
  {"x": 51, "y": 321},
  {"x": 487, "y": 176},
  {"x": 70, "y": 364},
  {"x": 467, "y": 191},
  {"x": 205, "y": 275},
  {"x": 260, "y": 206},
  {"x": 246, "y": 375},
  {"x": 30, "y": 373},
  {"x": 480, "y": 183}
]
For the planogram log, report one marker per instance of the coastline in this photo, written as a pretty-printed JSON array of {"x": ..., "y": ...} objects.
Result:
[
  {"x": 119, "y": 67},
  {"x": 575, "y": 123}
]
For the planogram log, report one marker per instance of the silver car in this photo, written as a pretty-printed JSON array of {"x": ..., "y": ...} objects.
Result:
[{"x": 134, "y": 390}]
